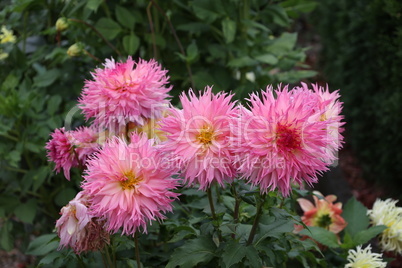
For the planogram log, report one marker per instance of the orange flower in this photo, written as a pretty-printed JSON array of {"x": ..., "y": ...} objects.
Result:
[{"x": 324, "y": 214}]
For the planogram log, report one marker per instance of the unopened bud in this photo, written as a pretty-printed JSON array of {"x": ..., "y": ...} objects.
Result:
[
  {"x": 75, "y": 50},
  {"x": 61, "y": 24}
]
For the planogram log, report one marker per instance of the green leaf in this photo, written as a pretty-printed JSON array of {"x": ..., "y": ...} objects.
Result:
[
  {"x": 267, "y": 58},
  {"x": 233, "y": 253},
  {"x": 42, "y": 245},
  {"x": 242, "y": 62},
  {"x": 364, "y": 236},
  {"x": 94, "y": 4},
  {"x": 51, "y": 257},
  {"x": 275, "y": 229},
  {"x": 192, "y": 52},
  {"x": 46, "y": 78},
  {"x": 53, "y": 104},
  {"x": 108, "y": 28},
  {"x": 321, "y": 235},
  {"x": 355, "y": 214},
  {"x": 229, "y": 30},
  {"x": 252, "y": 256},
  {"x": 26, "y": 211},
  {"x": 64, "y": 196},
  {"x": 193, "y": 252},
  {"x": 296, "y": 7},
  {"x": 6, "y": 240},
  {"x": 279, "y": 15},
  {"x": 125, "y": 17},
  {"x": 131, "y": 43}
]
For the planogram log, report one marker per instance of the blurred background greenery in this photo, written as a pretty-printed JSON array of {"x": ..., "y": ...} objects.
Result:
[{"x": 238, "y": 46}]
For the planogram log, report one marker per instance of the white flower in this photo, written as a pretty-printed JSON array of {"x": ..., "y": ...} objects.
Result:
[
  {"x": 364, "y": 258},
  {"x": 388, "y": 214}
]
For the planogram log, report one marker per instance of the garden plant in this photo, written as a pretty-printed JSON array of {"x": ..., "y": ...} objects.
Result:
[{"x": 173, "y": 134}]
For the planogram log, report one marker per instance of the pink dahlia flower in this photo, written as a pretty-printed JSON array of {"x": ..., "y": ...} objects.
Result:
[
  {"x": 85, "y": 142},
  {"x": 320, "y": 100},
  {"x": 129, "y": 184},
  {"x": 78, "y": 229},
  {"x": 61, "y": 152},
  {"x": 280, "y": 143},
  {"x": 199, "y": 137},
  {"x": 323, "y": 213},
  {"x": 125, "y": 92},
  {"x": 69, "y": 149}
]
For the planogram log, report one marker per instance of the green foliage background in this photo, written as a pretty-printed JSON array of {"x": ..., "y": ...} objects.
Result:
[{"x": 362, "y": 55}]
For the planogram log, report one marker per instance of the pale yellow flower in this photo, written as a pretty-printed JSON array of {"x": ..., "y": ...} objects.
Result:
[
  {"x": 388, "y": 214},
  {"x": 61, "y": 24},
  {"x": 6, "y": 36},
  {"x": 75, "y": 50},
  {"x": 364, "y": 258},
  {"x": 3, "y": 55}
]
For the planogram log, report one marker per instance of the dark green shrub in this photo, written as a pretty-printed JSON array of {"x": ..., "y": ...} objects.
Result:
[{"x": 362, "y": 55}]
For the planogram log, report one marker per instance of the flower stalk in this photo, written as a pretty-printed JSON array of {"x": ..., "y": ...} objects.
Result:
[{"x": 256, "y": 220}]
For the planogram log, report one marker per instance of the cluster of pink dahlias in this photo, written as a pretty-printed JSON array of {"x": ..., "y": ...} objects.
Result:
[
  {"x": 285, "y": 137},
  {"x": 127, "y": 182}
]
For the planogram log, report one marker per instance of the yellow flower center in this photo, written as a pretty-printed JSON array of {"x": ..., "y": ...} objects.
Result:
[
  {"x": 206, "y": 135},
  {"x": 130, "y": 182}
]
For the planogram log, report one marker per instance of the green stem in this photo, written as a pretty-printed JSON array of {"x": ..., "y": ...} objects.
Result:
[
  {"x": 190, "y": 74},
  {"x": 9, "y": 136},
  {"x": 211, "y": 203},
  {"x": 237, "y": 204},
  {"x": 109, "y": 260},
  {"x": 137, "y": 250},
  {"x": 151, "y": 26},
  {"x": 99, "y": 34},
  {"x": 256, "y": 220}
]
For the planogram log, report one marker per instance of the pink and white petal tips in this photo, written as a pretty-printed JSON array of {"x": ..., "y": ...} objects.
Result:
[
  {"x": 85, "y": 143},
  {"x": 125, "y": 92},
  {"x": 278, "y": 143},
  {"x": 78, "y": 229},
  {"x": 199, "y": 137},
  {"x": 327, "y": 106},
  {"x": 129, "y": 185},
  {"x": 61, "y": 152}
]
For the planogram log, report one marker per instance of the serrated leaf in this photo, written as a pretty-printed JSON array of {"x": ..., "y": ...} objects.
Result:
[
  {"x": 321, "y": 235},
  {"x": 233, "y": 253},
  {"x": 229, "y": 30},
  {"x": 355, "y": 214},
  {"x": 42, "y": 245},
  {"x": 364, "y": 236},
  {"x": 274, "y": 229},
  {"x": 193, "y": 252},
  {"x": 131, "y": 43},
  {"x": 125, "y": 17},
  {"x": 108, "y": 28},
  {"x": 26, "y": 211},
  {"x": 252, "y": 257}
]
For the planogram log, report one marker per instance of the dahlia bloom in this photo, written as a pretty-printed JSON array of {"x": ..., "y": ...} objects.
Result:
[
  {"x": 328, "y": 106},
  {"x": 199, "y": 136},
  {"x": 125, "y": 92},
  {"x": 323, "y": 213},
  {"x": 280, "y": 142},
  {"x": 85, "y": 142},
  {"x": 388, "y": 214},
  {"x": 69, "y": 149},
  {"x": 364, "y": 258},
  {"x": 78, "y": 229},
  {"x": 61, "y": 152},
  {"x": 129, "y": 185}
]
